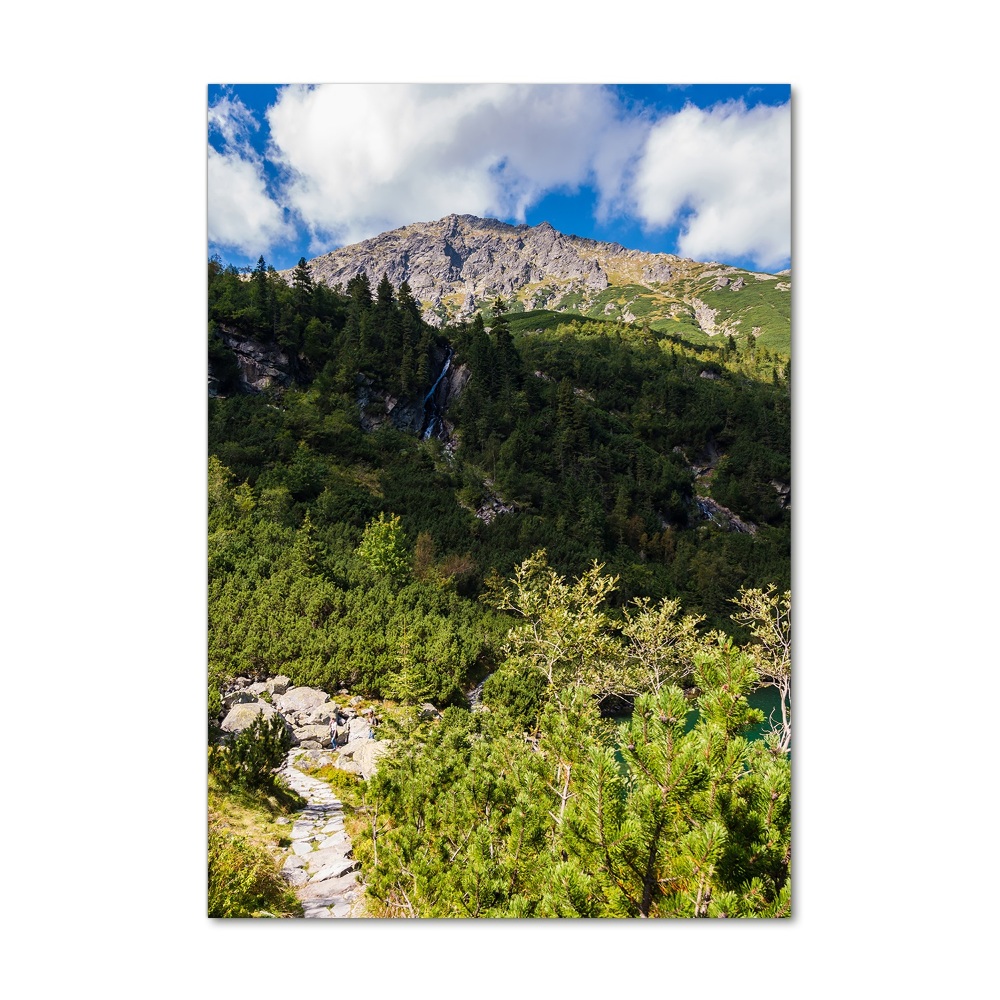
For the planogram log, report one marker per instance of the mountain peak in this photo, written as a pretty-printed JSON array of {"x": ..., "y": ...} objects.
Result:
[{"x": 461, "y": 263}]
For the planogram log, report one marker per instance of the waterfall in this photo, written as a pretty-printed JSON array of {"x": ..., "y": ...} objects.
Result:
[{"x": 431, "y": 408}]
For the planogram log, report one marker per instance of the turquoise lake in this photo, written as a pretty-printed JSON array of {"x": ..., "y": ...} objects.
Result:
[{"x": 765, "y": 698}]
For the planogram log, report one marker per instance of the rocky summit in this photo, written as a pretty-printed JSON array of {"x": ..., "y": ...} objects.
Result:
[{"x": 461, "y": 263}]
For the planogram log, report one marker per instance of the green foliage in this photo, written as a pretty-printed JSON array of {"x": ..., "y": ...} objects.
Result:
[
  {"x": 251, "y": 757},
  {"x": 214, "y": 704},
  {"x": 653, "y": 820},
  {"x": 564, "y": 632},
  {"x": 243, "y": 880},
  {"x": 767, "y": 614},
  {"x": 589, "y": 430},
  {"x": 383, "y": 548},
  {"x": 518, "y": 691}
]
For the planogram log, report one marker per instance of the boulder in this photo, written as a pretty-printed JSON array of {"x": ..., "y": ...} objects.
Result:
[
  {"x": 279, "y": 684},
  {"x": 236, "y": 698},
  {"x": 241, "y": 716},
  {"x": 301, "y": 699},
  {"x": 366, "y": 757},
  {"x": 347, "y": 765},
  {"x": 319, "y": 716},
  {"x": 350, "y": 749},
  {"x": 319, "y": 734},
  {"x": 311, "y": 744},
  {"x": 358, "y": 729}
]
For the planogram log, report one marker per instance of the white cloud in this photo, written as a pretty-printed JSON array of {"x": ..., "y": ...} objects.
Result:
[
  {"x": 241, "y": 213},
  {"x": 357, "y": 159},
  {"x": 365, "y": 158},
  {"x": 730, "y": 168}
]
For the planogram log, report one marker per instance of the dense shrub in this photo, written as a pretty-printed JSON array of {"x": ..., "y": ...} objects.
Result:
[
  {"x": 243, "y": 880},
  {"x": 517, "y": 691},
  {"x": 251, "y": 757}
]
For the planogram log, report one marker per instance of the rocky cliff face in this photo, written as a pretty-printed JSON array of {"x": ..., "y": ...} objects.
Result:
[
  {"x": 261, "y": 367},
  {"x": 460, "y": 263}
]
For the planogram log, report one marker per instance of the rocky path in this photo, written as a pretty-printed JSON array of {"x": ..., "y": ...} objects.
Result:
[{"x": 320, "y": 866}]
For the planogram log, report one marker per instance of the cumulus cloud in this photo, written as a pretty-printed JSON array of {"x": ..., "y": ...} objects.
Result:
[
  {"x": 364, "y": 158},
  {"x": 355, "y": 160},
  {"x": 724, "y": 174},
  {"x": 241, "y": 213}
]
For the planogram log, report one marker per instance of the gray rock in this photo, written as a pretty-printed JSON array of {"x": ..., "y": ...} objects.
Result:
[
  {"x": 261, "y": 367},
  {"x": 358, "y": 729},
  {"x": 328, "y": 892},
  {"x": 367, "y": 756},
  {"x": 350, "y": 749},
  {"x": 300, "y": 699},
  {"x": 327, "y": 856},
  {"x": 303, "y": 847},
  {"x": 237, "y": 698},
  {"x": 313, "y": 734},
  {"x": 319, "y": 716},
  {"x": 335, "y": 870},
  {"x": 294, "y": 861},
  {"x": 294, "y": 876},
  {"x": 241, "y": 716},
  {"x": 339, "y": 839},
  {"x": 312, "y": 744}
]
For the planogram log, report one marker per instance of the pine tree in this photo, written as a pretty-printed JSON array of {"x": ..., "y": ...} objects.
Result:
[{"x": 383, "y": 548}]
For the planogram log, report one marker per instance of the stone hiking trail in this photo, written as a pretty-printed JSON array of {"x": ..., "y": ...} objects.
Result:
[{"x": 320, "y": 867}]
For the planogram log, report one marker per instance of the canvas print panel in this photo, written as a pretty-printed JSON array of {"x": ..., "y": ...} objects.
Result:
[{"x": 499, "y": 476}]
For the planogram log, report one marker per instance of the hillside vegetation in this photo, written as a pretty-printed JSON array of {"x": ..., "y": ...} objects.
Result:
[{"x": 602, "y": 489}]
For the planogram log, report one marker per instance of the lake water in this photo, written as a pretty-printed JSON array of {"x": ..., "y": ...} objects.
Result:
[{"x": 765, "y": 698}]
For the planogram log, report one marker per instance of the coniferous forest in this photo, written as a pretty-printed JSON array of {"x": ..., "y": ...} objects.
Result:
[{"x": 584, "y": 521}]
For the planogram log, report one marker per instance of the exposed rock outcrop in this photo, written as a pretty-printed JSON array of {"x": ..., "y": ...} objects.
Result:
[
  {"x": 315, "y": 722},
  {"x": 460, "y": 263},
  {"x": 713, "y": 511},
  {"x": 261, "y": 367}
]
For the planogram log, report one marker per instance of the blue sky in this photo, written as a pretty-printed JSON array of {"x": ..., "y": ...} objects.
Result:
[{"x": 702, "y": 171}]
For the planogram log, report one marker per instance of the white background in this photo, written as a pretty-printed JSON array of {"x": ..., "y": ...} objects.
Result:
[{"x": 894, "y": 264}]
